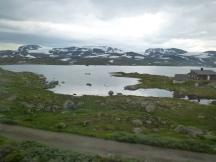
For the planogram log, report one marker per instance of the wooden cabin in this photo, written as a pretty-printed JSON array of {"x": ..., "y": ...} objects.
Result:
[{"x": 202, "y": 75}]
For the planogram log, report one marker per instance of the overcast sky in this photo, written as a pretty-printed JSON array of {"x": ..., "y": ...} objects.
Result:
[{"x": 127, "y": 24}]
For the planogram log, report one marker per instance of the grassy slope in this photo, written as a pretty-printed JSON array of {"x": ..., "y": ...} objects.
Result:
[
  {"x": 105, "y": 117},
  {"x": 163, "y": 82}
]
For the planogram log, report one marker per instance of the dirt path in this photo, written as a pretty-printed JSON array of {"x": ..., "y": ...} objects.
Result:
[{"x": 102, "y": 147}]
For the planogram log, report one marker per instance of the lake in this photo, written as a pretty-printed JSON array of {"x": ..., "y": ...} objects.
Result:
[{"x": 97, "y": 80}]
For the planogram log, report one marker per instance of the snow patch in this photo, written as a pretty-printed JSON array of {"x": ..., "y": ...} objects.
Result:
[
  {"x": 91, "y": 56},
  {"x": 106, "y": 49},
  {"x": 44, "y": 50},
  {"x": 104, "y": 55},
  {"x": 30, "y": 56},
  {"x": 111, "y": 61},
  {"x": 65, "y": 59},
  {"x": 139, "y": 57},
  {"x": 113, "y": 57}
]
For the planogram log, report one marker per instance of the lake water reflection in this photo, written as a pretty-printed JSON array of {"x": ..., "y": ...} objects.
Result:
[{"x": 97, "y": 80}]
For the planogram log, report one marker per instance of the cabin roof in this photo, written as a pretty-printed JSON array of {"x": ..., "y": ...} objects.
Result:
[
  {"x": 204, "y": 72},
  {"x": 181, "y": 77}
]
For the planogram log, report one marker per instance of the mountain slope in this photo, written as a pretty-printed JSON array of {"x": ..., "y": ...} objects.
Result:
[{"x": 103, "y": 55}]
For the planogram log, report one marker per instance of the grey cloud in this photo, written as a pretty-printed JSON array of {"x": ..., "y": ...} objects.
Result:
[
  {"x": 22, "y": 9},
  {"x": 190, "y": 19},
  {"x": 20, "y": 38}
]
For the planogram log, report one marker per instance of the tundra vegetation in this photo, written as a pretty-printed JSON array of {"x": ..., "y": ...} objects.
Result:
[
  {"x": 165, "y": 122},
  {"x": 28, "y": 151}
]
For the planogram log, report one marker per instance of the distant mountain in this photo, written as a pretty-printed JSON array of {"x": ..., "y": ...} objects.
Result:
[
  {"x": 164, "y": 51},
  {"x": 23, "y": 49},
  {"x": 104, "y": 55},
  {"x": 211, "y": 52}
]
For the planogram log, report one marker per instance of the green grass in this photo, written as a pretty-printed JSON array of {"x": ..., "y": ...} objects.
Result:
[
  {"x": 25, "y": 101},
  {"x": 31, "y": 151}
]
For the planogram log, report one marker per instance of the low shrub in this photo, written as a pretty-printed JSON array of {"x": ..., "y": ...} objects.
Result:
[
  {"x": 8, "y": 121},
  {"x": 156, "y": 140},
  {"x": 32, "y": 151}
]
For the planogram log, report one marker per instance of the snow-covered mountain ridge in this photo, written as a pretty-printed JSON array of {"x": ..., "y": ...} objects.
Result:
[{"x": 106, "y": 55}]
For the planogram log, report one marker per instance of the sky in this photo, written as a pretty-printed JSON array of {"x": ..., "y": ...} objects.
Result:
[{"x": 126, "y": 24}]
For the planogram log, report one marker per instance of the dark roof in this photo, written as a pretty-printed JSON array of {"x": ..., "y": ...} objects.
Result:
[
  {"x": 181, "y": 77},
  {"x": 204, "y": 72}
]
